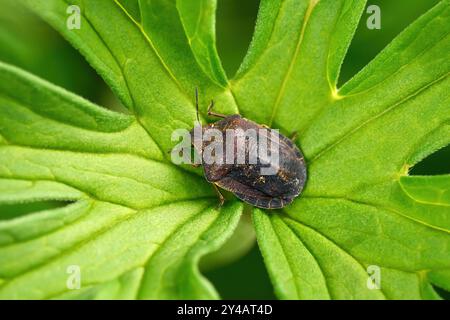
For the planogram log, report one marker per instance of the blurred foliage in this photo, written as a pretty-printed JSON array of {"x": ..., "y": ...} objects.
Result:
[
  {"x": 235, "y": 21},
  {"x": 11, "y": 211},
  {"x": 27, "y": 42},
  {"x": 395, "y": 16}
]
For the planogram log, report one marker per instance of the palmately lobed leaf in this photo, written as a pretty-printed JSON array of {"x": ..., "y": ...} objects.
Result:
[
  {"x": 359, "y": 143},
  {"x": 131, "y": 207},
  {"x": 136, "y": 225}
]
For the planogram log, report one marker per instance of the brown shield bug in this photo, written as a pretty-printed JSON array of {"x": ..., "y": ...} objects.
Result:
[{"x": 285, "y": 173}]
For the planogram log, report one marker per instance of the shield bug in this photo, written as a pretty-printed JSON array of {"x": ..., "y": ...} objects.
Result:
[{"x": 269, "y": 179}]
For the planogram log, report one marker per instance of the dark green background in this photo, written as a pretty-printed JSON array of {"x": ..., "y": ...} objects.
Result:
[{"x": 29, "y": 43}]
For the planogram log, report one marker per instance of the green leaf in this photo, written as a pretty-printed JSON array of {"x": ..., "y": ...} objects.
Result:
[
  {"x": 136, "y": 60},
  {"x": 137, "y": 225},
  {"x": 199, "y": 22},
  {"x": 359, "y": 207},
  {"x": 29, "y": 44},
  {"x": 428, "y": 190},
  {"x": 131, "y": 208}
]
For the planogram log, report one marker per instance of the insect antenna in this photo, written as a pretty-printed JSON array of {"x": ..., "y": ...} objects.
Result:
[{"x": 196, "y": 103}]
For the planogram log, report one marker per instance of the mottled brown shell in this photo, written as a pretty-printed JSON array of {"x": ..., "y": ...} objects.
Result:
[{"x": 246, "y": 181}]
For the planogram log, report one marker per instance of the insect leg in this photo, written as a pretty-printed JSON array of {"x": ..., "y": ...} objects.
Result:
[
  {"x": 294, "y": 136},
  {"x": 212, "y": 113},
  {"x": 221, "y": 198}
]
